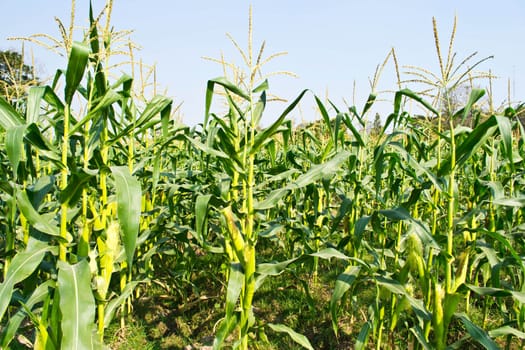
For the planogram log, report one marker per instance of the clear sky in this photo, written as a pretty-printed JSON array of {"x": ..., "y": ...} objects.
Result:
[{"x": 330, "y": 44}]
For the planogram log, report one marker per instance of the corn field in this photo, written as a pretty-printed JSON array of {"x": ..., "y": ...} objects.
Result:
[{"x": 101, "y": 189}]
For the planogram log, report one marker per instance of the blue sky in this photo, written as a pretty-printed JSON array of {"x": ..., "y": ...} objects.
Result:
[{"x": 330, "y": 44}]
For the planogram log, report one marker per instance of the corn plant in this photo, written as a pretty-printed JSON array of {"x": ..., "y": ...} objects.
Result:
[{"x": 73, "y": 198}]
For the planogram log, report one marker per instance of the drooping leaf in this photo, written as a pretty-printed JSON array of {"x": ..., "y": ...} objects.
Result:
[
  {"x": 296, "y": 337},
  {"x": 420, "y": 336},
  {"x": 71, "y": 194},
  {"x": 477, "y": 333},
  {"x": 33, "y": 217},
  {"x": 397, "y": 288},
  {"x": 477, "y": 138},
  {"x": 37, "y": 296},
  {"x": 9, "y": 117},
  {"x": 77, "y": 63},
  {"x": 506, "y": 330},
  {"x": 22, "y": 265},
  {"x": 316, "y": 173},
  {"x": 228, "y": 86},
  {"x": 117, "y": 302},
  {"x": 421, "y": 230}
]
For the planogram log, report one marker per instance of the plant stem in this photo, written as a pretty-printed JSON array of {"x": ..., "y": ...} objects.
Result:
[{"x": 63, "y": 184}]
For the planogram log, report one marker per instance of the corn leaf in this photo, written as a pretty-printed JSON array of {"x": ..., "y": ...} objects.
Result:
[
  {"x": 397, "y": 288},
  {"x": 233, "y": 292},
  {"x": 471, "y": 144},
  {"x": 263, "y": 136},
  {"x": 129, "y": 197},
  {"x": 477, "y": 333},
  {"x": 77, "y": 305},
  {"x": 37, "y": 296},
  {"x": 115, "y": 303},
  {"x": 77, "y": 63},
  {"x": 421, "y": 230},
  {"x": 201, "y": 217},
  {"x": 343, "y": 283},
  {"x": 362, "y": 338},
  {"x": 33, "y": 217},
  {"x": 506, "y": 330},
  {"x": 14, "y": 144},
  {"x": 420, "y": 336},
  {"x": 296, "y": 337},
  {"x": 9, "y": 117},
  {"x": 316, "y": 173},
  {"x": 228, "y": 86},
  {"x": 510, "y": 202},
  {"x": 21, "y": 267}
]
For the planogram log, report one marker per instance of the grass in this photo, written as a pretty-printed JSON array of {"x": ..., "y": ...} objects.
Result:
[{"x": 162, "y": 321}]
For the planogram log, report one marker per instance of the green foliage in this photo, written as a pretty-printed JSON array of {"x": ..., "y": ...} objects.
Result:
[{"x": 411, "y": 235}]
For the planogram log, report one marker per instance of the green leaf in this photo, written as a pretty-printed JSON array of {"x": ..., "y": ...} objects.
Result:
[
  {"x": 421, "y": 230},
  {"x": 471, "y": 144},
  {"x": 510, "y": 202},
  {"x": 324, "y": 114},
  {"x": 397, "y": 288},
  {"x": 296, "y": 337},
  {"x": 316, "y": 173},
  {"x": 420, "y": 336},
  {"x": 369, "y": 102},
  {"x": 235, "y": 282},
  {"x": 477, "y": 333},
  {"x": 201, "y": 216},
  {"x": 263, "y": 136},
  {"x": 109, "y": 98},
  {"x": 505, "y": 130},
  {"x": 328, "y": 253},
  {"x": 33, "y": 217},
  {"x": 410, "y": 94},
  {"x": 415, "y": 164},
  {"x": 343, "y": 283},
  {"x": 21, "y": 267},
  {"x": 355, "y": 132},
  {"x": 77, "y": 305},
  {"x": 39, "y": 294},
  {"x": 362, "y": 338},
  {"x": 506, "y": 330},
  {"x": 77, "y": 63},
  {"x": 274, "y": 269},
  {"x": 206, "y": 149},
  {"x": 34, "y": 99},
  {"x": 261, "y": 87},
  {"x": 14, "y": 144},
  {"x": 158, "y": 106},
  {"x": 71, "y": 194},
  {"x": 9, "y": 117},
  {"x": 497, "y": 292},
  {"x": 117, "y": 302},
  {"x": 474, "y": 97},
  {"x": 228, "y": 86},
  {"x": 129, "y": 198}
]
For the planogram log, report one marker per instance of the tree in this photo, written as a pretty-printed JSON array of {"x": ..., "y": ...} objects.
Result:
[
  {"x": 15, "y": 75},
  {"x": 377, "y": 127}
]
